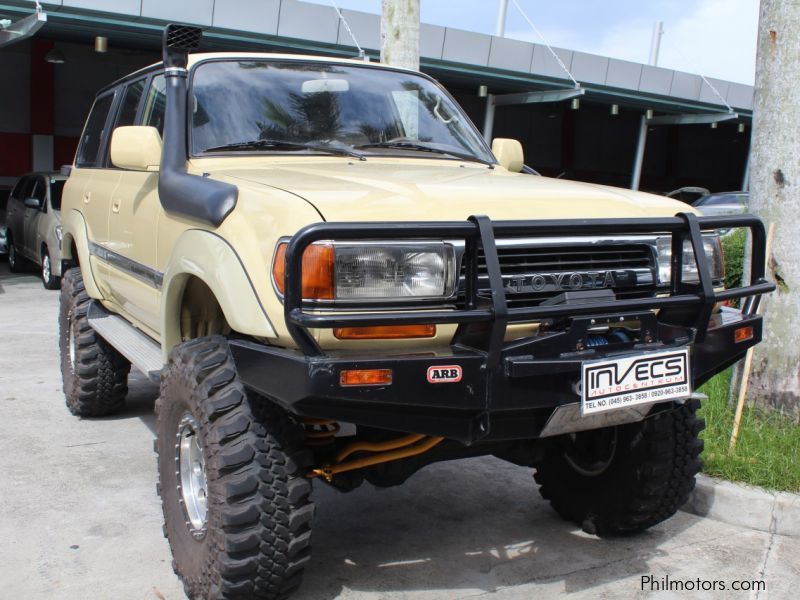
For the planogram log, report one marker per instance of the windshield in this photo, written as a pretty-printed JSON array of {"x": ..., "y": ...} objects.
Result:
[{"x": 321, "y": 106}]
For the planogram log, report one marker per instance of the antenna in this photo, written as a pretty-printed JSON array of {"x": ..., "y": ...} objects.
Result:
[
  {"x": 361, "y": 54},
  {"x": 541, "y": 36}
]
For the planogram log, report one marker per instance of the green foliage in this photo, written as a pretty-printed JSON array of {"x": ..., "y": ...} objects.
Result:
[
  {"x": 733, "y": 247},
  {"x": 766, "y": 452}
]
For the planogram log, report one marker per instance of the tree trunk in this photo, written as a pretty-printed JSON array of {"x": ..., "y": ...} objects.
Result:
[
  {"x": 775, "y": 197},
  {"x": 400, "y": 33}
]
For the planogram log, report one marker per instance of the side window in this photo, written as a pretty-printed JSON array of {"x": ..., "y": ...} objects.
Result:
[
  {"x": 130, "y": 104},
  {"x": 126, "y": 113},
  {"x": 155, "y": 104},
  {"x": 56, "y": 189},
  {"x": 92, "y": 137},
  {"x": 19, "y": 189}
]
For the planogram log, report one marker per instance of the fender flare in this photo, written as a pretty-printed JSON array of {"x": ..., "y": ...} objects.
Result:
[
  {"x": 73, "y": 226},
  {"x": 211, "y": 259}
]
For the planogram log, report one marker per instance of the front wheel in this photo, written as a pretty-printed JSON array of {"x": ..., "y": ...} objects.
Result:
[
  {"x": 50, "y": 281},
  {"x": 16, "y": 264},
  {"x": 232, "y": 480},
  {"x": 627, "y": 478}
]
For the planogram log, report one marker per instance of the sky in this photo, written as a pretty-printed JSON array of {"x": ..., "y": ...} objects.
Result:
[{"x": 715, "y": 38}]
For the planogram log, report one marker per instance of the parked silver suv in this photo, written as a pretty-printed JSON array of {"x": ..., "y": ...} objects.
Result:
[{"x": 34, "y": 225}]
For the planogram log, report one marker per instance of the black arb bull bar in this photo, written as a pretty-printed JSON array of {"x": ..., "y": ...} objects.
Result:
[{"x": 508, "y": 389}]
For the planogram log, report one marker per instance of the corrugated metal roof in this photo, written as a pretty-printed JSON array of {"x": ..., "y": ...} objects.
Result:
[{"x": 315, "y": 28}]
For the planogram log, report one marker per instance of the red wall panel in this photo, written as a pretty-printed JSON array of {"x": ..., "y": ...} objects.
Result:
[
  {"x": 64, "y": 150},
  {"x": 16, "y": 150}
]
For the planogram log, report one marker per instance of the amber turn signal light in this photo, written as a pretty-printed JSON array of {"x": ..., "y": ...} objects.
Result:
[
  {"x": 317, "y": 271},
  {"x": 356, "y": 377},
  {"x": 386, "y": 332},
  {"x": 742, "y": 334}
]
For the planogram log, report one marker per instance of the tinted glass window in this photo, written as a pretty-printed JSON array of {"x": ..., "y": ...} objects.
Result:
[
  {"x": 155, "y": 104},
  {"x": 130, "y": 104},
  {"x": 56, "y": 188},
  {"x": 126, "y": 114},
  {"x": 93, "y": 132},
  {"x": 39, "y": 189},
  {"x": 19, "y": 188}
]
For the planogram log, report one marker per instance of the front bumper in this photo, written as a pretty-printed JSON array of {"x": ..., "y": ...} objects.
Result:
[
  {"x": 507, "y": 390},
  {"x": 514, "y": 401}
]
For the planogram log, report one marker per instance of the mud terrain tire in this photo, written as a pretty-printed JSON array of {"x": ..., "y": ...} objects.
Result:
[
  {"x": 647, "y": 479},
  {"x": 253, "y": 537},
  {"x": 94, "y": 374}
]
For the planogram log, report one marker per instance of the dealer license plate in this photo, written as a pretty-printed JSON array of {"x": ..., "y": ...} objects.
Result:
[{"x": 621, "y": 382}]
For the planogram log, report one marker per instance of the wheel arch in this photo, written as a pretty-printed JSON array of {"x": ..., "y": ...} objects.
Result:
[
  {"x": 75, "y": 250},
  {"x": 204, "y": 272}
]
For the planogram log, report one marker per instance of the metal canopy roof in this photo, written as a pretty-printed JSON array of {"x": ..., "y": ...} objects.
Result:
[{"x": 455, "y": 56}]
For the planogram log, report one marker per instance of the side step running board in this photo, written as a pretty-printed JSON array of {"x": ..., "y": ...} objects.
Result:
[{"x": 143, "y": 352}]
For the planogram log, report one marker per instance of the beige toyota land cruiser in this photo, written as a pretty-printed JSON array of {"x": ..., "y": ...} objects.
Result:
[{"x": 335, "y": 280}]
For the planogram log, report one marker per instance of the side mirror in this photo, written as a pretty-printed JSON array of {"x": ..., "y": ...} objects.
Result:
[
  {"x": 508, "y": 153},
  {"x": 136, "y": 147},
  {"x": 32, "y": 203}
]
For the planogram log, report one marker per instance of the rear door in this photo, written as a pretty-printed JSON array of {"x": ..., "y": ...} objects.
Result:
[{"x": 95, "y": 182}]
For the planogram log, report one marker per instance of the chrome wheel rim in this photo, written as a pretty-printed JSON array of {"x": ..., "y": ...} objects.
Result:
[
  {"x": 590, "y": 453},
  {"x": 191, "y": 471},
  {"x": 46, "y": 267},
  {"x": 12, "y": 255}
]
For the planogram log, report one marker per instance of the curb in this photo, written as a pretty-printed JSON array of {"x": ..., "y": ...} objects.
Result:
[{"x": 744, "y": 505}]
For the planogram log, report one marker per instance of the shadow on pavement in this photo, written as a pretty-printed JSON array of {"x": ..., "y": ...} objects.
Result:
[{"x": 475, "y": 525}]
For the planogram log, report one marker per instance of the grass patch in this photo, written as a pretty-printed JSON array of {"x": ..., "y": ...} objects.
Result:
[{"x": 767, "y": 452}]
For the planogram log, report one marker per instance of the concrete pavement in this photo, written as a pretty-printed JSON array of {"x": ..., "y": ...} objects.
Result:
[{"x": 79, "y": 516}]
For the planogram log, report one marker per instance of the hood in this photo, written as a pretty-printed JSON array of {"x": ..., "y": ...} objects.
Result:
[{"x": 438, "y": 190}]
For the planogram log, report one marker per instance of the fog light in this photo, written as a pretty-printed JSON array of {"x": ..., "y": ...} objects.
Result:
[
  {"x": 358, "y": 377},
  {"x": 743, "y": 334}
]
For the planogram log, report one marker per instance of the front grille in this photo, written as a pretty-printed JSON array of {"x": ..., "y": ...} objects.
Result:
[{"x": 534, "y": 274}]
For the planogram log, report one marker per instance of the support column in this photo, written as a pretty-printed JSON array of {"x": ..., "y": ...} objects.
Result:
[
  {"x": 42, "y": 103},
  {"x": 488, "y": 119},
  {"x": 638, "y": 160}
]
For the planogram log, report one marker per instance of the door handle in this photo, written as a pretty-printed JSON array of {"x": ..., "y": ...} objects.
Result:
[{"x": 115, "y": 206}]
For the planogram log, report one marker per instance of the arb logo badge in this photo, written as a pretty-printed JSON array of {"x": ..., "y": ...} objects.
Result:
[{"x": 444, "y": 374}]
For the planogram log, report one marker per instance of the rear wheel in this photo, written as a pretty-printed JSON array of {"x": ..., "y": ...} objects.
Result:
[
  {"x": 50, "y": 281},
  {"x": 232, "y": 480},
  {"x": 94, "y": 374},
  {"x": 626, "y": 478}
]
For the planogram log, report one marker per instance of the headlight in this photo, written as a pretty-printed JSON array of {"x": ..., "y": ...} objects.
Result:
[
  {"x": 59, "y": 233},
  {"x": 366, "y": 271},
  {"x": 713, "y": 249}
]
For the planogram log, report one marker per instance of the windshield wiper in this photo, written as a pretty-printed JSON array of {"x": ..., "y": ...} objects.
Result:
[
  {"x": 422, "y": 147},
  {"x": 285, "y": 144}
]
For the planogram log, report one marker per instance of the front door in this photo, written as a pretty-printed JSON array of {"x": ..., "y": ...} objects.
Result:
[
  {"x": 38, "y": 192},
  {"x": 15, "y": 212}
]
